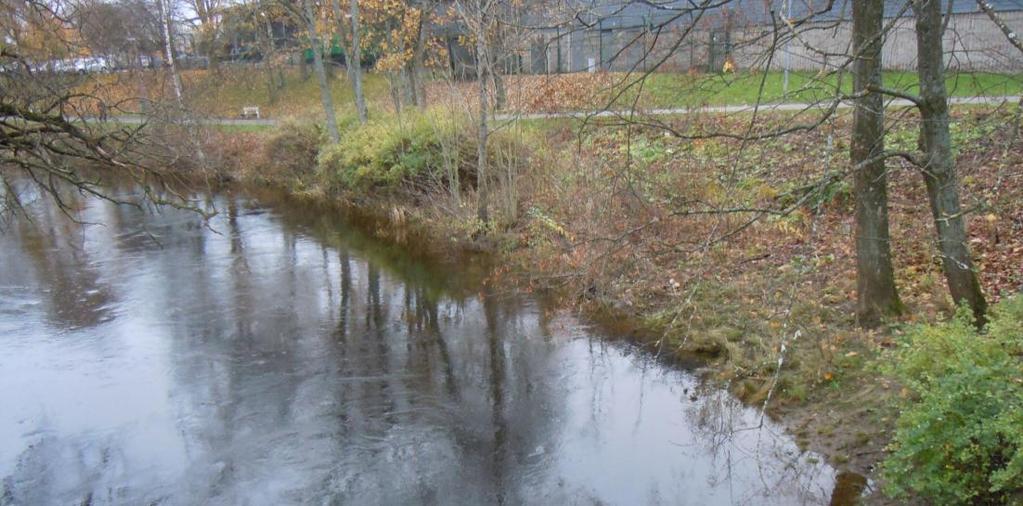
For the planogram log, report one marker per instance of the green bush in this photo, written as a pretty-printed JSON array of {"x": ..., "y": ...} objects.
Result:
[
  {"x": 390, "y": 150},
  {"x": 960, "y": 441},
  {"x": 417, "y": 149}
]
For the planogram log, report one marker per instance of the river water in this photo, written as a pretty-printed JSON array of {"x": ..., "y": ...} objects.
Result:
[{"x": 284, "y": 356}]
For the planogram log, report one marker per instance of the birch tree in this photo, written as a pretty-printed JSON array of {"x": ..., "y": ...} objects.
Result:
[{"x": 168, "y": 49}]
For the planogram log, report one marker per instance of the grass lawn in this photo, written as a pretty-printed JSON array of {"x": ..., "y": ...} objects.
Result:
[
  {"x": 298, "y": 98},
  {"x": 224, "y": 93},
  {"x": 241, "y": 128},
  {"x": 682, "y": 90}
]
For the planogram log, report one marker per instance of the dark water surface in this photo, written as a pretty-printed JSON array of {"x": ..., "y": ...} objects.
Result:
[{"x": 284, "y": 357}]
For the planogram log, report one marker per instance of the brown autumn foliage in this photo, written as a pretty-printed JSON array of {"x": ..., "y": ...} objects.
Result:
[{"x": 634, "y": 237}]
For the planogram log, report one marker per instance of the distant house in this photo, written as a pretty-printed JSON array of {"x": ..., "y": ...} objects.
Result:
[{"x": 630, "y": 35}]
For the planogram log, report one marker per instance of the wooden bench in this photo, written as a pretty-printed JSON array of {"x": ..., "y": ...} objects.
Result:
[{"x": 250, "y": 112}]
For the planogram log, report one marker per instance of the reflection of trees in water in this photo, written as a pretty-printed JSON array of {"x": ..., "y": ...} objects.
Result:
[
  {"x": 398, "y": 387},
  {"x": 413, "y": 356},
  {"x": 496, "y": 362},
  {"x": 311, "y": 364},
  {"x": 54, "y": 245},
  {"x": 230, "y": 331},
  {"x": 735, "y": 437}
]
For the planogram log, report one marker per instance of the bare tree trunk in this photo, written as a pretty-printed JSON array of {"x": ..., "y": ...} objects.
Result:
[
  {"x": 169, "y": 50},
  {"x": 416, "y": 64},
  {"x": 450, "y": 150},
  {"x": 877, "y": 296},
  {"x": 496, "y": 69},
  {"x": 939, "y": 169},
  {"x": 394, "y": 85},
  {"x": 482, "y": 212},
  {"x": 339, "y": 32},
  {"x": 355, "y": 66},
  {"x": 271, "y": 80},
  {"x": 335, "y": 7},
  {"x": 500, "y": 90},
  {"x": 499, "y": 58},
  {"x": 143, "y": 91},
  {"x": 404, "y": 80},
  {"x": 405, "y": 85},
  {"x": 214, "y": 59},
  {"x": 321, "y": 74}
]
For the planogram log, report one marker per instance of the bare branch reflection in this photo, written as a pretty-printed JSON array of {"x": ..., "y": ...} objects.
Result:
[{"x": 280, "y": 355}]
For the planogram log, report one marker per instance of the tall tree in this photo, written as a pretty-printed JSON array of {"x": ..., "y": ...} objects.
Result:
[
  {"x": 119, "y": 29},
  {"x": 321, "y": 73},
  {"x": 477, "y": 17},
  {"x": 415, "y": 64},
  {"x": 274, "y": 75},
  {"x": 355, "y": 62},
  {"x": 877, "y": 296},
  {"x": 168, "y": 48},
  {"x": 938, "y": 165},
  {"x": 339, "y": 34},
  {"x": 208, "y": 14},
  {"x": 482, "y": 212}
]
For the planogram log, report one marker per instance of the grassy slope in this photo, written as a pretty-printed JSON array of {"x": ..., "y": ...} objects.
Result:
[
  {"x": 298, "y": 98},
  {"x": 224, "y": 94},
  {"x": 681, "y": 90},
  {"x": 586, "y": 91}
]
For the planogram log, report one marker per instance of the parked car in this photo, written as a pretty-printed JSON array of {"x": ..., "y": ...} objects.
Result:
[
  {"x": 126, "y": 64},
  {"x": 92, "y": 64},
  {"x": 83, "y": 65}
]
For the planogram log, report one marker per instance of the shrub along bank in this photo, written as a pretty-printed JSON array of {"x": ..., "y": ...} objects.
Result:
[
  {"x": 959, "y": 439},
  {"x": 397, "y": 158}
]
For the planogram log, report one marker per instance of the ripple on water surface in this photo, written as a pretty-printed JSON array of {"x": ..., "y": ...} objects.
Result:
[{"x": 282, "y": 356}]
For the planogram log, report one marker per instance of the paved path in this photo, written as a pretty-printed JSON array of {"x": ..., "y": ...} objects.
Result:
[
  {"x": 730, "y": 109},
  {"x": 138, "y": 120},
  {"x": 679, "y": 111}
]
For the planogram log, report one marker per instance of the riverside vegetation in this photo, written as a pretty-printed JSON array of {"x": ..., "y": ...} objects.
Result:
[
  {"x": 699, "y": 234},
  {"x": 592, "y": 215},
  {"x": 816, "y": 258}
]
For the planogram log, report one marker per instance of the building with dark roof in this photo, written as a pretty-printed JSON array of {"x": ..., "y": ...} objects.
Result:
[{"x": 591, "y": 35}]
